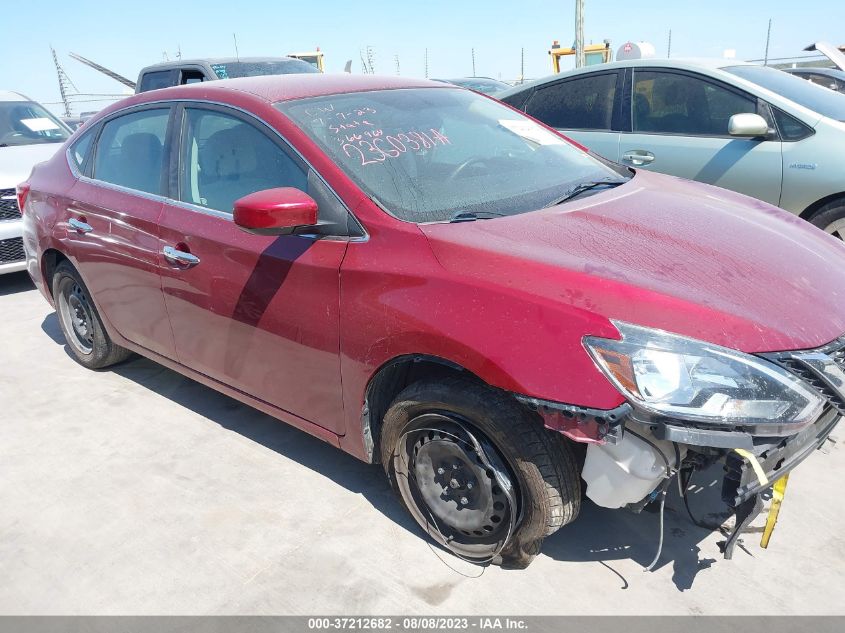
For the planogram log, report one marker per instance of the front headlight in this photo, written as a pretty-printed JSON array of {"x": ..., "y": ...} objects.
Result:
[{"x": 692, "y": 380}]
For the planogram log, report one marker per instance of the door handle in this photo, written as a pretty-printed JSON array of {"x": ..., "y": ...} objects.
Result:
[
  {"x": 79, "y": 226},
  {"x": 638, "y": 157},
  {"x": 179, "y": 257}
]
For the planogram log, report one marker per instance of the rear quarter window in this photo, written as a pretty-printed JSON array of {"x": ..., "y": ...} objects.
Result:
[{"x": 80, "y": 150}]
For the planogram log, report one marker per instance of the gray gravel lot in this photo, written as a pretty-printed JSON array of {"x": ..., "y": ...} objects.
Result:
[{"x": 138, "y": 491}]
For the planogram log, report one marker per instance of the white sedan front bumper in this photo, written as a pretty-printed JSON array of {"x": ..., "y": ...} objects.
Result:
[{"x": 12, "y": 258}]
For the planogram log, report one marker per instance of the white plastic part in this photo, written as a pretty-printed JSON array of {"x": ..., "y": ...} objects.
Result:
[{"x": 623, "y": 473}]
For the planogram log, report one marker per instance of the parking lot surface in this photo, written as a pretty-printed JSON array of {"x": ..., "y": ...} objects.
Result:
[{"x": 138, "y": 491}]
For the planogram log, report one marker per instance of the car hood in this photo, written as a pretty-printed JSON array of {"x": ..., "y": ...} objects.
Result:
[
  {"x": 17, "y": 161},
  {"x": 666, "y": 253}
]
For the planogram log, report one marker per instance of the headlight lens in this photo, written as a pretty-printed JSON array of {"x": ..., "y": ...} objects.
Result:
[{"x": 696, "y": 381}]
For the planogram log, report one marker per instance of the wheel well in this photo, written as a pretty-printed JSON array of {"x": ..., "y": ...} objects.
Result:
[
  {"x": 810, "y": 211},
  {"x": 389, "y": 381},
  {"x": 49, "y": 260}
]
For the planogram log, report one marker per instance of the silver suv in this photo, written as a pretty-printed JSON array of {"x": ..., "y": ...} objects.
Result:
[{"x": 752, "y": 129}]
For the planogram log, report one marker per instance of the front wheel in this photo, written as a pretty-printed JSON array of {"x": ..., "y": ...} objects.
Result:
[{"x": 479, "y": 475}]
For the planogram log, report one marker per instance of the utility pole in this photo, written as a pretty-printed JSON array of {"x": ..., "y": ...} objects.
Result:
[
  {"x": 522, "y": 66},
  {"x": 579, "y": 34},
  {"x": 237, "y": 54},
  {"x": 396, "y": 58},
  {"x": 426, "y": 63},
  {"x": 768, "y": 37},
  {"x": 669, "y": 48},
  {"x": 473, "y": 63}
]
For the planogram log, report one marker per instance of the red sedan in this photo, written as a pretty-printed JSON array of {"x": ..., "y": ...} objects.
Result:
[{"x": 427, "y": 278}]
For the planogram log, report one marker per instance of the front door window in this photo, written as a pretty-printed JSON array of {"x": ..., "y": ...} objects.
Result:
[
  {"x": 672, "y": 103},
  {"x": 226, "y": 158}
]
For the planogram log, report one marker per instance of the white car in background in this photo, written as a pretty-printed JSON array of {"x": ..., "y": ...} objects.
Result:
[{"x": 29, "y": 134}]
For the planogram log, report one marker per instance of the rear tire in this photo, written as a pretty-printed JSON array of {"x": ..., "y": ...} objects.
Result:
[
  {"x": 831, "y": 218},
  {"x": 425, "y": 432},
  {"x": 86, "y": 337}
]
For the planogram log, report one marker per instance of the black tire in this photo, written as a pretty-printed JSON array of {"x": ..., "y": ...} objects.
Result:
[
  {"x": 831, "y": 218},
  {"x": 86, "y": 338},
  {"x": 539, "y": 463}
]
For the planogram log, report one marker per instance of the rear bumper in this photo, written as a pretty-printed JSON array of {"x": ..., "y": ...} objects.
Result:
[{"x": 776, "y": 459}]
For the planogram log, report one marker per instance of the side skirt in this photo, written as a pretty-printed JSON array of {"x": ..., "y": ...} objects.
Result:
[{"x": 281, "y": 415}]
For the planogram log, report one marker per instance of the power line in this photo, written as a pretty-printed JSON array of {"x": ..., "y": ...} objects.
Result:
[{"x": 82, "y": 101}]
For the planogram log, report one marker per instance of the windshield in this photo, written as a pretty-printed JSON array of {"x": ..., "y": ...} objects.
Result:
[
  {"x": 27, "y": 123},
  {"x": 817, "y": 98},
  {"x": 428, "y": 154},
  {"x": 233, "y": 70}
]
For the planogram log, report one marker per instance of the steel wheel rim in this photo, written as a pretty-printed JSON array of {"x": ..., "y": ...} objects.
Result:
[
  {"x": 464, "y": 507},
  {"x": 75, "y": 312},
  {"x": 837, "y": 228}
]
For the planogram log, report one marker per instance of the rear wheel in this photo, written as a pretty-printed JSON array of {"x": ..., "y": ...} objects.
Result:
[
  {"x": 831, "y": 218},
  {"x": 81, "y": 325},
  {"x": 477, "y": 474}
]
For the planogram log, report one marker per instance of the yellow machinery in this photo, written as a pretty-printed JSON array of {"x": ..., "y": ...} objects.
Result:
[
  {"x": 593, "y": 54},
  {"x": 314, "y": 58}
]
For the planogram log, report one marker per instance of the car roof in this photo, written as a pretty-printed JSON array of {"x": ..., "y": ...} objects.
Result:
[
  {"x": 8, "y": 95},
  {"x": 681, "y": 63},
  {"x": 830, "y": 72},
  {"x": 275, "y": 88},
  {"x": 179, "y": 63}
]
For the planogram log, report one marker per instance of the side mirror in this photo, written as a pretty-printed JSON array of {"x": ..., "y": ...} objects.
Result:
[
  {"x": 748, "y": 125},
  {"x": 275, "y": 211}
]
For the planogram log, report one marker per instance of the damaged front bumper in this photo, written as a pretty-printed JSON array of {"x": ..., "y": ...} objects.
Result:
[
  {"x": 632, "y": 454},
  {"x": 776, "y": 459},
  {"x": 750, "y": 474}
]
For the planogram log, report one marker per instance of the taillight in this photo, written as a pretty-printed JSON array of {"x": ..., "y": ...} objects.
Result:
[{"x": 22, "y": 191}]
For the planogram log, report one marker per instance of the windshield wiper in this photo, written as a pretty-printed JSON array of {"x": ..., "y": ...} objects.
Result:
[
  {"x": 470, "y": 216},
  {"x": 577, "y": 190}
]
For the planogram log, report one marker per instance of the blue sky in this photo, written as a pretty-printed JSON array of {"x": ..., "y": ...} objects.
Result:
[{"x": 128, "y": 35}]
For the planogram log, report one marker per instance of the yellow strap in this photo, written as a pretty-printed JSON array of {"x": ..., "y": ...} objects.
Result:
[
  {"x": 758, "y": 469},
  {"x": 778, "y": 491}
]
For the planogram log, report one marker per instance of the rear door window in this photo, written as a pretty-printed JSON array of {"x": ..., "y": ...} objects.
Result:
[
  {"x": 130, "y": 150},
  {"x": 225, "y": 158},
  {"x": 584, "y": 103},
  {"x": 674, "y": 103}
]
